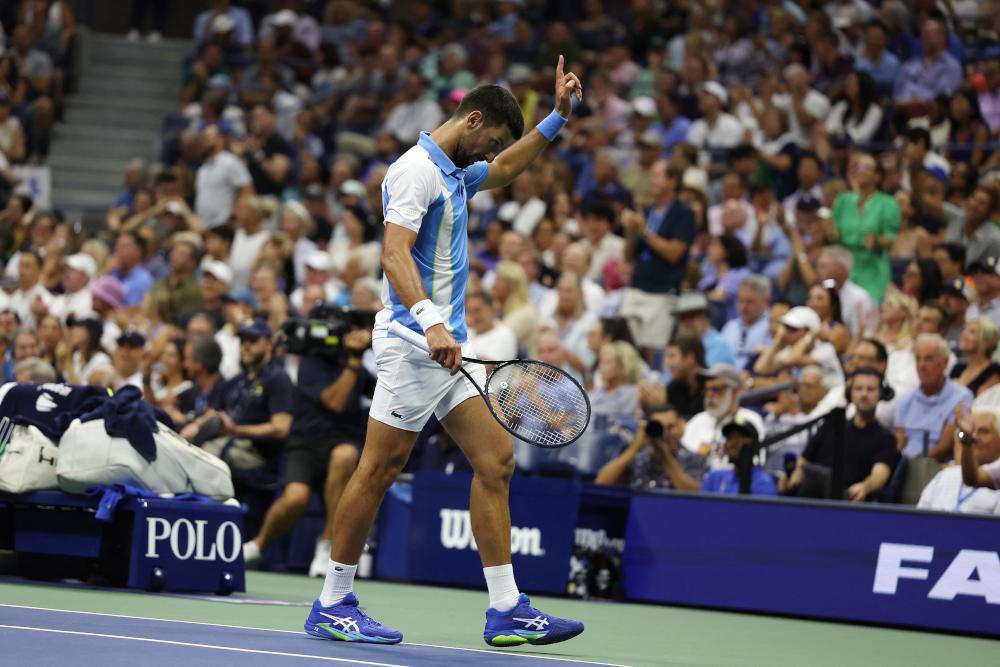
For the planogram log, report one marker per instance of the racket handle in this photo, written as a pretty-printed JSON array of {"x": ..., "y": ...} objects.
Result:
[{"x": 409, "y": 335}]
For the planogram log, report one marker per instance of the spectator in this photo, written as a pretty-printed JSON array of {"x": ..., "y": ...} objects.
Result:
[
  {"x": 693, "y": 318},
  {"x": 807, "y": 399},
  {"x": 242, "y": 23},
  {"x": 613, "y": 401},
  {"x": 216, "y": 279},
  {"x": 899, "y": 311},
  {"x": 716, "y": 131},
  {"x": 31, "y": 87},
  {"x": 989, "y": 95},
  {"x": 414, "y": 112},
  {"x": 748, "y": 333},
  {"x": 35, "y": 371},
  {"x": 922, "y": 280},
  {"x": 268, "y": 154},
  {"x": 806, "y": 107},
  {"x": 126, "y": 360},
  {"x": 12, "y": 142},
  {"x": 935, "y": 72},
  {"x": 857, "y": 114},
  {"x": 877, "y": 61},
  {"x": 525, "y": 209},
  {"x": 25, "y": 346},
  {"x": 955, "y": 297},
  {"x": 728, "y": 258},
  {"x": 30, "y": 299},
  {"x": 130, "y": 252},
  {"x": 703, "y": 433},
  {"x": 742, "y": 440},
  {"x": 925, "y": 418},
  {"x": 806, "y": 238},
  {"x": 947, "y": 490},
  {"x": 986, "y": 278},
  {"x": 950, "y": 258},
  {"x": 655, "y": 459},
  {"x": 488, "y": 338},
  {"x": 572, "y": 321},
  {"x": 978, "y": 342},
  {"x": 221, "y": 179},
  {"x": 169, "y": 389},
  {"x": 969, "y": 134},
  {"x": 601, "y": 244},
  {"x": 510, "y": 290},
  {"x": 86, "y": 357},
  {"x": 659, "y": 249},
  {"x": 179, "y": 293},
  {"x": 798, "y": 344},
  {"x": 857, "y": 306},
  {"x": 975, "y": 230},
  {"x": 869, "y": 451},
  {"x": 685, "y": 360},
  {"x": 825, "y": 302},
  {"x": 867, "y": 222},
  {"x": 319, "y": 286},
  {"x": 248, "y": 240}
]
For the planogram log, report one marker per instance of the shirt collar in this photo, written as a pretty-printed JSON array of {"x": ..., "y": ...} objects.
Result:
[{"x": 438, "y": 156}]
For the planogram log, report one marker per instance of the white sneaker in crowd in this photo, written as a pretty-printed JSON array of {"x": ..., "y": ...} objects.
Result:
[{"x": 320, "y": 558}]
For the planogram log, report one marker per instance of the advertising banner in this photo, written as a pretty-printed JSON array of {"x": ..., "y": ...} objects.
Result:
[{"x": 860, "y": 563}]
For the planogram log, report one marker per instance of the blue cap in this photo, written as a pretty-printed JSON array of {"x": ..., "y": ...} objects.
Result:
[
  {"x": 132, "y": 337},
  {"x": 256, "y": 327}
]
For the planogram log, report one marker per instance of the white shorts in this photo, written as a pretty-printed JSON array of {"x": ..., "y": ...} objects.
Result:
[{"x": 411, "y": 385}]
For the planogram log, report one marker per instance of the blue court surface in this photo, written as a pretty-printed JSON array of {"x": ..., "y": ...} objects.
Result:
[{"x": 37, "y": 636}]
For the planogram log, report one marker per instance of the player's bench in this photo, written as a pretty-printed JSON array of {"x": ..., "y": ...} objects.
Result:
[{"x": 148, "y": 543}]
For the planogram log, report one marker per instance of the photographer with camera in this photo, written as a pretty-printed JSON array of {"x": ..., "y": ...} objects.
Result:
[
  {"x": 655, "y": 459},
  {"x": 327, "y": 432}
]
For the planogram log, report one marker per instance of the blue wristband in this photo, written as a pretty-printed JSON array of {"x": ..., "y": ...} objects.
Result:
[{"x": 551, "y": 125}]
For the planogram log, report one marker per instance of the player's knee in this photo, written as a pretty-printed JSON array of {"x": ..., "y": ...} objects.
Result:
[
  {"x": 497, "y": 469},
  {"x": 383, "y": 472}
]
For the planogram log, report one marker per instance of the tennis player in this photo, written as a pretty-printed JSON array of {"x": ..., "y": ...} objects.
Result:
[{"x": 426, "y": 265}]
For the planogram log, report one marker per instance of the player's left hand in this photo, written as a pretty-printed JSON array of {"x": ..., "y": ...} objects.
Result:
[{"x": 567, "y": 85}]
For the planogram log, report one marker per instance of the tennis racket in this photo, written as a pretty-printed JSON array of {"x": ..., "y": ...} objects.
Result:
[{"x": 536, "y": 402}]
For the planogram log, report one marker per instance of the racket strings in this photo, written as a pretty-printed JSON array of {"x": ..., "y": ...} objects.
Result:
[{"x": 539, "y": 402}]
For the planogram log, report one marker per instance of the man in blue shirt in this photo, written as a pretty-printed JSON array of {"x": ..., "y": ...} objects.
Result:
[
  {"x": 927, "y": 414},
  {"x": 741, "y": 445},
  {"x": 130, "y": 250},
  {"x": 693, "y": 318},
  {"x": 750, "y": 333},
  {"x": 658, "y": 245},
  {"x": 878, "y": 61},
  {"x": 936, "y": 72}
]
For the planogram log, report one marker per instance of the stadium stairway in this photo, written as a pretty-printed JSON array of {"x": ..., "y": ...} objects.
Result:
[{"x": 123, "y": 89}]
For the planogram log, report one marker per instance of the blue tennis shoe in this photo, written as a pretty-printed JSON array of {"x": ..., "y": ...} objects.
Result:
[
  {"x": 347, "y": 622},
  {"x": 525, "y": 624}
]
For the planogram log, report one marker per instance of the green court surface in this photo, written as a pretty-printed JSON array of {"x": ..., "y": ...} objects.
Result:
[{"x": 619, "y": 634}]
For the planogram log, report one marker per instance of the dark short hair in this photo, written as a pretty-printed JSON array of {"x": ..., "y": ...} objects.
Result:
[
  {"x": 689, "y": 344},
  {"x": 205, "y": 351},
  {"x": 993, "y": 194},
  {"x": 881, "y": 353},
  {"x": 498, "y": 106},
  {"x": 944, "y": 321},
  {"x": 224, "y": 232},
  {"x": 602, "y": 209},
  {"x": 810, "y": 155},
  {"x": 482, "y": 296},
  {"x": 955, "y": 251},
  {"x": 736, "y": 252},
  {"x": 919, "y": 134},
  {"x": 137, "y": 239}
]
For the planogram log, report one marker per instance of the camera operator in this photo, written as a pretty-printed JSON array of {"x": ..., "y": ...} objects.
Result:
[
  {"x": 327, "y": 433},
  {"x": 655, "y": 459}
]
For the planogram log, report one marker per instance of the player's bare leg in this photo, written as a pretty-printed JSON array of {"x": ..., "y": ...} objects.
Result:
[
  {"x": 385, "y": 453},
  {"x": 490, "y": 451}
]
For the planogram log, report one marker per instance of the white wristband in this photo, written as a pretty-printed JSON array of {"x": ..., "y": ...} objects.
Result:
[{"x": 426, "y": 314}]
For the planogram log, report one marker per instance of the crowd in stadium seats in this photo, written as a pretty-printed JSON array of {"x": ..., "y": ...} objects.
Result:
[{"x": 760, "y": 213}]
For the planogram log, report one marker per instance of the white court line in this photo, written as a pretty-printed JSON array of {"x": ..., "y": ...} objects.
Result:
[
  {"x": 210, "y": 646},
  {"x": 297, "y": 632}
]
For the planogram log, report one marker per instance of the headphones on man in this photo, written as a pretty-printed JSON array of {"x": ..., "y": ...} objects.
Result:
[{"x": 886, "y": 392}]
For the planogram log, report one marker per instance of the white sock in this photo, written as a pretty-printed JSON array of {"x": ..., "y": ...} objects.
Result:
[
  {"x": 251, "y": 551},
  {"x": 502, "y": 587},
  {"x": 339, "y": 582}
]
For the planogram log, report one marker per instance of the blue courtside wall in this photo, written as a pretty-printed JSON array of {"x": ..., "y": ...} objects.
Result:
[{"x": 809, "y": 559}]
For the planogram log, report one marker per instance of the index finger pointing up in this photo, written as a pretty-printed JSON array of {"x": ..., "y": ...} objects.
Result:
[{"x": 559, "y": 69}]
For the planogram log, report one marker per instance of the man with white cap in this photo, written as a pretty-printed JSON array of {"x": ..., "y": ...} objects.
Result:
[
  {"x": 304, "y": 28},
  {"x": 216, "y": 279},
  {"x": 237, "y": 19},
  {"x": 797, "y": 344},
  {"x": 703, "y": 434},
  {"x": 78, "y": 270},
  {"x": 319, "y": 270},
  {"x": 716, "y": 131}
]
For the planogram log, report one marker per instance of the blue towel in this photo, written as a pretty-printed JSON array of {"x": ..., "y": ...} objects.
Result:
[
  {"x": 127, "y": 416},
  {"x": 115, "y": 493}
]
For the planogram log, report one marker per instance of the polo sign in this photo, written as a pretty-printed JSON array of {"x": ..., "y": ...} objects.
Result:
[{"x": 187, "y": 539}]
